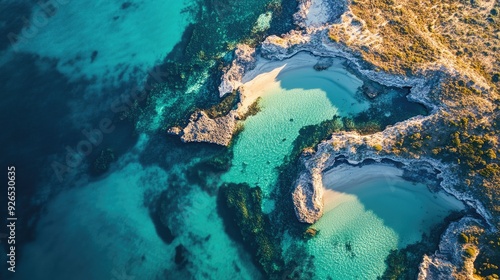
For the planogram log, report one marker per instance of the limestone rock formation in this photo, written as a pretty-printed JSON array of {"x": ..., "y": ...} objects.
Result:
[
  {"x": 450, "y": 261},
  {"x": 318, "y": 13},
  {"x": 308, "y": 198},
  {"x": 202, "y": 128},
  {"x": 308, "y": 193},
  {"x": 244, "y": 61}
]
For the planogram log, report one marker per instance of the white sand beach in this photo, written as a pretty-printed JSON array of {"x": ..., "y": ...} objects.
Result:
[{"x": 264, "y": 77}]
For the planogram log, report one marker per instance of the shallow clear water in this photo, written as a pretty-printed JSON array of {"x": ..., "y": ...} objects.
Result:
[
  {"x": 102, "y": 228},
  {"x": 104, "y": 231},
  {"x": 364, "y": 219},
  {"x": 302, "y": 96}
]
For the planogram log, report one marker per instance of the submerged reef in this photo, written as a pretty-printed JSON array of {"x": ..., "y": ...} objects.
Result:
[
  {"x": 242, "y": 207},
  {"x": 158, "y": 212},
  {"x": 308, "y": 193},
  {"x": 102, "y": 162}
]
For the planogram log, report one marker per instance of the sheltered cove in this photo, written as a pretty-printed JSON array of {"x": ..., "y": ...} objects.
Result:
[
  {"x": 308, "y": 194},
  {"x": 369, "y": 210}
]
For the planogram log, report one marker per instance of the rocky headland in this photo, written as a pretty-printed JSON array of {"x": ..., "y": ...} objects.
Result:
[{"x": 453, "y": 259}]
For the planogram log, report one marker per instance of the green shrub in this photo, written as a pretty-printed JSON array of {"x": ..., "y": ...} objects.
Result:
[
  {"x": 470, "y": 251},
  {"x": 463, "y": 238}
]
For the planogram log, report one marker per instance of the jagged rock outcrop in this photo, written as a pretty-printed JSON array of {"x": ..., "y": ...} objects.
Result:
[
  {"x": 244, "y": 61},
  {"x": 319, "y": 13},
  {"x": 279, "y": 48},
  {"x": 450, "y": 261},
  {"x": 308, "y": 193},
  {"x": 308, "y": 198},
  {"x": 202, "y": 128}
]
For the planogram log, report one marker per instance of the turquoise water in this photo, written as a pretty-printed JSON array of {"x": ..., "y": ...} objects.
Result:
[
  {"x": 301, "y": 96},
  {"x": 367, "y": 217},
  {"x": 102, "y": 228},
  {"x": 107, "y": 43},
  {"x": 103, "y": 231},
  {"x": 127, "y": 38}
]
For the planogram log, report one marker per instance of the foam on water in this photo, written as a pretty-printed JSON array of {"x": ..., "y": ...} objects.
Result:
[
  {"x": 366, "y": 218},
  {"x": 301, "y": 97}
]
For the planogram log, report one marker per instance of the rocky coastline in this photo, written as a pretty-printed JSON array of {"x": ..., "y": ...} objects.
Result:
[
  {"x": 451, "y": 260},
  {"x": 312, "y": 37},
  {"x": 356, "y": 149}
]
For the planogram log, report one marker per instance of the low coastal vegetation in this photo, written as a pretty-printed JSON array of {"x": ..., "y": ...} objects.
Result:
[
  {"x": 409, "y": 35},
  {"x": 417, "y": 38},
  {"x": 465, "y": 136},
  {"x": 486, "y": 265}
]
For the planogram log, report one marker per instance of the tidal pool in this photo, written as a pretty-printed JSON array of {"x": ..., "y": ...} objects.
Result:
[{"x": 370, "y": 210}]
